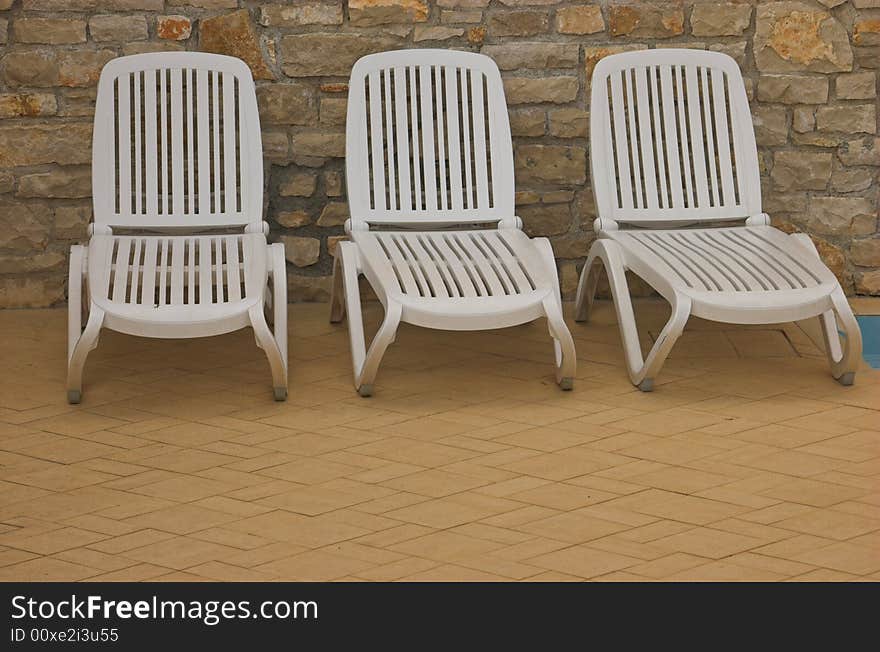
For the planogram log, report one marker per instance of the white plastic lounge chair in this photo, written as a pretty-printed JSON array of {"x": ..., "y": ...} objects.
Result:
[
  {"x": 674, "y": 166},
  {"x": 428, "y": 149},
  {"x": 178, "y": 246}
]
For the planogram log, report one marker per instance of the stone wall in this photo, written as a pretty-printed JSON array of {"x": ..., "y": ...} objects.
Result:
[{"x": 811, "y": 70}]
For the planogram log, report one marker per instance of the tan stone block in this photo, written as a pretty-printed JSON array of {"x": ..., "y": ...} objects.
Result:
[
  {"x": 55, "y": 31},
  {"x": 518, "y": 23},
  {"x": 82, "y": 67},
  {"x": 234, "y": 34},
  {"x": 527, "y": 122},
  {"x": 30, "y": 68},
  {"x": 288, "y": 103},
  {"x": 580, "y": 19},
  {"x": 771, "y": 125},
  {"x": 568, "y": 122},
  {"x": 663, "y": 20},
  {"x": 108, "y": 27},
  {"x": 866, "y": 252},
  {"x": 856, "y": 86},
  {"x": 19, "y": 105},
  {"x": 541, "y": 220},
  {"x": 533, "y": 55},
  {"x": 293, "y": 219},
  {"x": 728, "y": 19},
  {"x": 796, "y": 36},
  {"x": 801, "y": 170},
  {"x": 841, "y": 215},
  {"x": 298, "y": 185},
  {"x": 849, "y": 118},
  {"x": 65, "y": 144},
  {"x": 436, "y": 33},
  {"x": 326, "y": 54},
  {"x": 333, "y": 214},
  {"x": 173, "y": 27},
  {"x": 302, "y": 252},
  {"x": 862, "y": 151},
  {"x": 793, "y": 89},
  {"x": 867, "y": 31},
  {"x": 866, "y": 283},
  {"x": 525, "y": 90},
  {"x": 550, "y": 164},
  {"x": 301, "y": 14},
  {"x": 62, "y": 182},
  {"x": 365, "y": 13}
]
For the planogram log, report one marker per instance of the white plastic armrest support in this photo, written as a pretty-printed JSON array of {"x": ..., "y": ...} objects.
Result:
[
  {"x": 257, "y": 227},
  {"x": 99, "y": 229},
  {"x": 350, "y": 226},
  {"x": 601, "y": 224},
  {"x": 761, "y": 219}
]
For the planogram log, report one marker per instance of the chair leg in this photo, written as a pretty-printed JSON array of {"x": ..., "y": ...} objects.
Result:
[
  {"x": 382, "y": 340},
  {"x": 642, "y": 371},
  {"x": 337, "y": 292},
  {"x": 279, "y": 310},
  {"x": 78, "y": 343},
  {"x": 844, "y": 360},
  {"x": 563, "y": 344},
  {"x": 364, "y": 362},
  {"x": 79, "y": 351},
  {"x": 268, "y": 341},
  {"x": 586, "y": 290},
  {"x": 75, "y": 304}
]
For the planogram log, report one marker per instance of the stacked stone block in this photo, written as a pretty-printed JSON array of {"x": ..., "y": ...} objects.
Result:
[{"x": 810, "y": 66}]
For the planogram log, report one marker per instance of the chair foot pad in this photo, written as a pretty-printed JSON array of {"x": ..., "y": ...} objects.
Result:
[
  {"x": 280, "y": 393},
  {"x": 848, "y": 378},
  {"x": 365, "y": 390},
  {"x": 647, "y": 385},
  {"x": 566, "y": 384},
  {"x": 74, "y": 396}
]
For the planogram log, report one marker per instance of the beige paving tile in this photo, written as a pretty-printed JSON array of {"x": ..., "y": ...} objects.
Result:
[
  {"x": 57, "y": 540},
  {"x": 679, "y": 507},
  {"x": 813, "y": 493},
  {"x": 467, "y": 464},
  {"x": 708, "y": 542},
  {"x": 572, "y": 527},
  {"x": 667, "y": 565},
  {"x": 397, "y": 569},
  {"x": 558, "y": 495},
  {"x": 46, "y": 569},
  {"x": 434, "y": 483},
  {"x": 830, "y": 523},
  {"x": 724, "y": 571},
  {"x": 583, "y": 561},
  {"x": 845, "y": 557}
]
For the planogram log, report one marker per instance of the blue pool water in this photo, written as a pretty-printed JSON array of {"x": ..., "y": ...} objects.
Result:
[{"x": 870, "y": 325}]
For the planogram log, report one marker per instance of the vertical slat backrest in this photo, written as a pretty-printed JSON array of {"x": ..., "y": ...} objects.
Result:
[
  {"x": 671, "y": 138},
  {"x": 428, "y": 140},
  {"x": 177, "y": 143}
]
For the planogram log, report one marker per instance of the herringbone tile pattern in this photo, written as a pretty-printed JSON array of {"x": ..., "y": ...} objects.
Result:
[{"x": 748, "y": 462}]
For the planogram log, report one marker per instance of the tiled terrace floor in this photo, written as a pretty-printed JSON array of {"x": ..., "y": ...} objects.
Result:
[{"x": 747, "y": 462}]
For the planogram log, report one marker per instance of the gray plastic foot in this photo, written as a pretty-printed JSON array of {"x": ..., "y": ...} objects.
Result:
[
  {"x": 74, "y": 396},
  {"x": 566, "y": 383},
  {"x": 848, "y": 378},
  {"x": 365, "y": 390},
  {"x": 280, "y": 393},
  {"x": 647, "y": 385}
]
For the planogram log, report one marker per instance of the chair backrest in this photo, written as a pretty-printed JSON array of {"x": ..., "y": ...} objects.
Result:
[
  {"x": 176, "y": 143},
  {"x": 428, "y": 140},
  {"x": 671, "y": 138}
]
